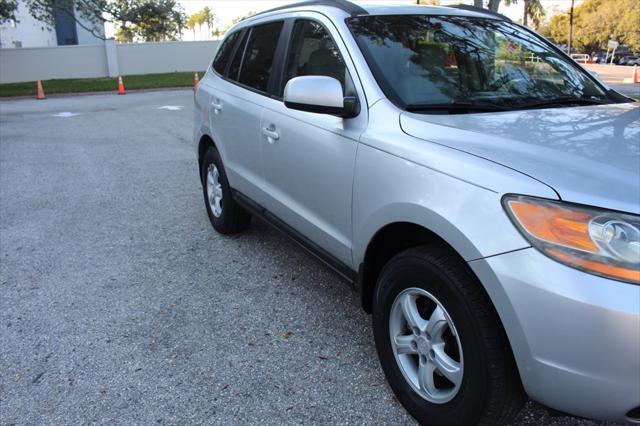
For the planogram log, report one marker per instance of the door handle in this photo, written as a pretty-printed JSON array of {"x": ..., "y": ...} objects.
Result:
[
  {"x": 271, "y": 134},
  {"x": 217, "y": 107}
]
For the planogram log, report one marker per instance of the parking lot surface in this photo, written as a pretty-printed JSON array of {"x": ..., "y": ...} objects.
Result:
[{"x": 119, "y": 303}]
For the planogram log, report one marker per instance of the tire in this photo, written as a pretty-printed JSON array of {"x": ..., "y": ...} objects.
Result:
[
  {"x": 226, "y": 216},
  {"x": 485, "y": 387}
]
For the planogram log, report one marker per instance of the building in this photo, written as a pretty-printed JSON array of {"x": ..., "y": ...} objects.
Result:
[{"x": 69, "y": 29}]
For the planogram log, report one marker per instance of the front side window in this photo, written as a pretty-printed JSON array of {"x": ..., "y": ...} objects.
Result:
[
  {"x": 259, "y": 53},
  {"x": 313, "y": 52},
  {"x": 423, "y": 62},
  {"x": 224, "y": 53}
]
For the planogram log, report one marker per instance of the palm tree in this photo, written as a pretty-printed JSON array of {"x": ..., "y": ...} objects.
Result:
[
  {"x": 191, "y": 24},
  {"x": 208, "y": 18},
  {"x": 532, "y": 9}
]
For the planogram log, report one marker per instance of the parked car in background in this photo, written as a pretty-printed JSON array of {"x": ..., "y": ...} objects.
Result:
[
  {"x": 473, "y": 184},
  {"x": 599, "y": 57},
  {"x": 633, "y": 61},
  {"x": 629, "y": 60},
  {"x": 583, "y": 58}
]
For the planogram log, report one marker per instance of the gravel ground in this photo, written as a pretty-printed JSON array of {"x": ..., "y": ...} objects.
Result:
[{"x": 120, "y": 304}]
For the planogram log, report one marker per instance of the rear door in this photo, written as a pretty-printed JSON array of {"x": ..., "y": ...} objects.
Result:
[
  {"x": 309, "y": 163},
  {"x": 236, "y": 105}
]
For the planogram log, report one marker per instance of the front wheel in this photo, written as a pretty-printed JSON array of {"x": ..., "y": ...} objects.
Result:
[
  {"x": 226, "y": 216},
  {"x": 440, "y": 342}
]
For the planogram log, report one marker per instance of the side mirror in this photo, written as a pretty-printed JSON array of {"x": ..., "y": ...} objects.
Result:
[{"x": 319, "y": 94}]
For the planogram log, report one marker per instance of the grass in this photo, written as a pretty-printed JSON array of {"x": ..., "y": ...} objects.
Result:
[{"x": 78, "y": 85}]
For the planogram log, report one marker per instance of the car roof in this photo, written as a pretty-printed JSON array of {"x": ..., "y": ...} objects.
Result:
[
  {"x": 380, "y": 8},
  {"x": 341, "y": 9}
]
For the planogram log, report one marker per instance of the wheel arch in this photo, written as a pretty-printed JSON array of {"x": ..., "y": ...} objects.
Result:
[
  {"x": 384, "y": 234},
  {"x": 387, "y": 241},
  {"x": 204, "y": 143}
]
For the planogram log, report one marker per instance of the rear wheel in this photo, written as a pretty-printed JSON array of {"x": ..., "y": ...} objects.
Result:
[
  {"x": 440, "y": 342},
  {"x": 226, "y": 216}
]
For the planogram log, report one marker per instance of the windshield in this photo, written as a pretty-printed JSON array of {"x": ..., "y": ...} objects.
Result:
[{"x": 424, "y": 61}]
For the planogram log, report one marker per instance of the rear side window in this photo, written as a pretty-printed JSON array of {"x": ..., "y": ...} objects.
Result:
[
  {"x": 259, "y": 53},
  {"x": 224, "y": 53}
]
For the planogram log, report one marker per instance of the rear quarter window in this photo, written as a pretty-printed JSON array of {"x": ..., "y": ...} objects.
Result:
[{"x": 224, "y": 53}]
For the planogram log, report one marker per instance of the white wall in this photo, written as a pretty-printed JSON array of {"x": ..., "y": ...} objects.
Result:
[
  {"x": 42, "y": 63},
  {"x": 168, "y": 56},
  {"x": 104, "y": 60},
  {"x": 27, "y": 31}
]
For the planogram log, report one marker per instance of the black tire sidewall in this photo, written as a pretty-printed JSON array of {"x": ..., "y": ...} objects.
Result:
[
  {"x": 468, "y": 405},
  {"x": 212, "y": 156}
]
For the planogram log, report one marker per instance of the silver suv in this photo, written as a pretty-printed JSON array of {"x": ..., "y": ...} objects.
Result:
[{"x": 474, "y": 184}]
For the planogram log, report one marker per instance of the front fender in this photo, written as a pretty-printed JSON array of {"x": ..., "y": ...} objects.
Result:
[{"x": 469, "y": 217}]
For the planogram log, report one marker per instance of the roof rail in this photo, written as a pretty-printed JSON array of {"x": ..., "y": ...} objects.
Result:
[
  {"x": 347, "y": 6},
  {"x": 480, "y": 10}
]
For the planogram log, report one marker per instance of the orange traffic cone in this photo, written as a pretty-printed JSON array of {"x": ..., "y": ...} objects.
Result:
[
  {"x": 196, "y": 81},
  {"x": 120, "y": 86},
  {"x": 40, "y": 91},
  {"x": 636, "y": 75}
]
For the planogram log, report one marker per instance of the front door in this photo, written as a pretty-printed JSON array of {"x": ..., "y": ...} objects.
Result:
[{"x": 309, "y": 158}]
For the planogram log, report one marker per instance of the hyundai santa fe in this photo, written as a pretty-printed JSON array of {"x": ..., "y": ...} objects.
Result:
[{"x": 475, "y": 185}]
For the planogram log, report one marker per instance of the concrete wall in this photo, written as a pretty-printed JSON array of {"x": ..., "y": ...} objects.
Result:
[
  {"x": 105, "y": 60},
  {"x": 42, "y": 63},
  {"x": 169, "y": 56}
]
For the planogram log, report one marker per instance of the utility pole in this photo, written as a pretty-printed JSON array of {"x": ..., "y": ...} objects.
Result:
[{"x": 570, "y": 27}]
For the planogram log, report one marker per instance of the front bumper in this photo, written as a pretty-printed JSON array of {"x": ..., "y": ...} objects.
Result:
[{"x": 575, "y": 336}]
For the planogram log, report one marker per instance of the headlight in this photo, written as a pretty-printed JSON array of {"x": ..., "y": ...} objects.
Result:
[{"x": 597, "y": 241}]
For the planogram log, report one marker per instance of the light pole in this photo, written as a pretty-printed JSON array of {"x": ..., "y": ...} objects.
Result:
[{"x": 570, "y": 27}]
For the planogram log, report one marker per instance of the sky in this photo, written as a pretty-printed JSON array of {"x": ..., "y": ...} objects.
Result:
[{"x": 226, "y": 10}]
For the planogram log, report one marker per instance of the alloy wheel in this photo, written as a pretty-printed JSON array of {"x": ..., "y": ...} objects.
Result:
[
  {"x": 426, "y": 345},
  {"x": 214, "y": 190}
]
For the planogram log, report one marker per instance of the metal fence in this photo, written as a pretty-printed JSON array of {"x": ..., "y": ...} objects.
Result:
[{"x": 104, "y": 60}]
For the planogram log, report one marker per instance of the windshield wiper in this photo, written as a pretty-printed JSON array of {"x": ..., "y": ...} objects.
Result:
[
  {"x": 457, "y": 107},
  {"x": 563, "y": 100}
]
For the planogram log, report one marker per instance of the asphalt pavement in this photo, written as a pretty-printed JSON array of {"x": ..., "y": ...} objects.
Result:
[{"x": 119, "y": 304}]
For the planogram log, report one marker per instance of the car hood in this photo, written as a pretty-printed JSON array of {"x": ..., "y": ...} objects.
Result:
[{"x": 588, "y": 155}]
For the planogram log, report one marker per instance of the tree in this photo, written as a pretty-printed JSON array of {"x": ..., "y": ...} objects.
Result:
[
  {"x": 144, "y": 19},
  {"x": 494, "y": 5},
  {"x": 209, "y": 19},
  {"x": 243, "y": 17},
  {"x": 91, "y": 11},
  {"x": 192, "y": 22},
  {"x": 199, "y": 18},
  {"x": 596, "y": 22},
  {"x": 180, "y": 18},
  {"x": 156, "y": 21},
  {"x": 532, "y": 9},
  {"x": 8, "y": 10}
]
